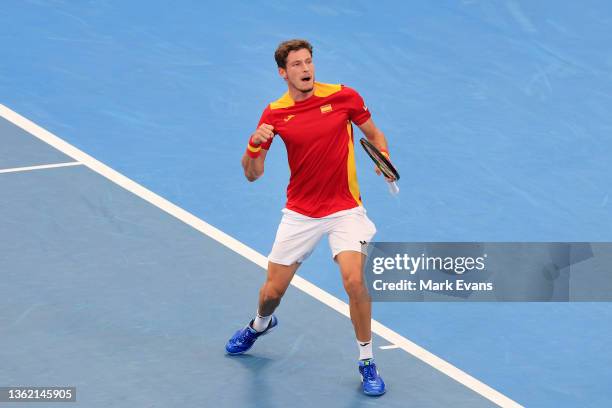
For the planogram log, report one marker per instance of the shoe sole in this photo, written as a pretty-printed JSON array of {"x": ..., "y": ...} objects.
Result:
[
  {"x": 371, "y": 394},
  {"x": 236, "y": 353}
]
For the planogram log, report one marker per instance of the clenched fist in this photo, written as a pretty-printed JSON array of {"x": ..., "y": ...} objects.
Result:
[{"x": 263, "y": 133}]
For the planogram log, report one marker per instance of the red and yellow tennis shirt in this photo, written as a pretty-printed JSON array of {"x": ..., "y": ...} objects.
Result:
[{"x": 318, "y": 135}]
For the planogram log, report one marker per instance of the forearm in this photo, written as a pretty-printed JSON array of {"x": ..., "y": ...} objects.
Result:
[
  {"x": 374, "y": 135},
  {"x": 378, "y": 139},
  {"x": 253, "y": 167},
  {"x": 253, "y": 158}
]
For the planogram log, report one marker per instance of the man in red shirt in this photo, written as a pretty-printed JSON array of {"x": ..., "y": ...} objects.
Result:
[{"x": 314, "y": 121}]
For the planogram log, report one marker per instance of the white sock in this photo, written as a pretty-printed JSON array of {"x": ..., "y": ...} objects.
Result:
[
  {"x": 260, "y": 323},
  {"x": 365, "y": 349}
]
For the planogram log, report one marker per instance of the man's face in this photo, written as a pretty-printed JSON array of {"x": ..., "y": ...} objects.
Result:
[{"x": 300, "y": 70}]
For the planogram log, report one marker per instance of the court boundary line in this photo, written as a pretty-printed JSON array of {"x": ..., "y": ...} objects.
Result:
[
  {"x": 242, "y": 249},
  {"x": 40, "y": 167}
]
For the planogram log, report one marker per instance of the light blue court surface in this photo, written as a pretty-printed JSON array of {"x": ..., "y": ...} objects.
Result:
[
  {"x": 498, "y": 118},
  {"x": 105, "y": 292}
]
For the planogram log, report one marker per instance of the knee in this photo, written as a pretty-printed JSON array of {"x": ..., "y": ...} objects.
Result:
[{"x": 355, "y": 287}]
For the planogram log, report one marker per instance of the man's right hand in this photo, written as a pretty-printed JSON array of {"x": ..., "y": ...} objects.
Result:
[{"x": 263, "y": 133}]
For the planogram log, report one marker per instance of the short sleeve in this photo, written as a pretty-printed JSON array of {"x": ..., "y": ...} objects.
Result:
[
  {"x": 358, "y": 111},
  {"x": 266, "y": 117}
]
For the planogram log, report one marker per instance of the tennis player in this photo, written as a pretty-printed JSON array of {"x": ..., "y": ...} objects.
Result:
[{"x": 314, "y": 121}]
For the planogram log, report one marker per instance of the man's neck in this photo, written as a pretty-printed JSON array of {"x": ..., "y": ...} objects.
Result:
[{"x": 298, "y": 95}]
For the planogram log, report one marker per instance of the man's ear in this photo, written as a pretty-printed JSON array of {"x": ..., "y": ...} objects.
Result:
[{"x": 283, "y": 73}]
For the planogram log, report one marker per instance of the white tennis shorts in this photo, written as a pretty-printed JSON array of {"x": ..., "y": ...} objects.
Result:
[{"x": 298, "y": 234}]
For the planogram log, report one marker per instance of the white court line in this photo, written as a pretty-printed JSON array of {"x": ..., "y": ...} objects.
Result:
[
  {"x": 389, "y": 347},
  {"x": 254, "y": 256},
  {"x": 41, "y": 167}
]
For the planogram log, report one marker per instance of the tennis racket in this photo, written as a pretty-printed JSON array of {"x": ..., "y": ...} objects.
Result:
[{"x": 383, "y": 164}]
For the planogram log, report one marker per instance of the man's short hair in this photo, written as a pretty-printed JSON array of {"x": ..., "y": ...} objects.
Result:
[{"x": 284, "y": 48}]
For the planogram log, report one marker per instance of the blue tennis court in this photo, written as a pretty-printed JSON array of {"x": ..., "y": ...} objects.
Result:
[{"x": 132, "y": 246}]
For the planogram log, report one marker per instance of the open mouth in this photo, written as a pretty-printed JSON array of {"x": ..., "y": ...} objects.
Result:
[{"x": 306, "y": 79}]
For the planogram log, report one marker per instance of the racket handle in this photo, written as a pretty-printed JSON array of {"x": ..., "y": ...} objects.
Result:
[{"x": 393, "y": 188}]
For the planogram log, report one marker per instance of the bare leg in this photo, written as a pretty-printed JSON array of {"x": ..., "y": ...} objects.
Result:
[
  {"x": 273, "y": 289},
  {"x": 270, "y": 294},
  {"x": 360, "y": 305}
]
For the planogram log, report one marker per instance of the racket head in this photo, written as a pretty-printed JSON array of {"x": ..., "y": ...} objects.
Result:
[{"x": 381, "y": 161}]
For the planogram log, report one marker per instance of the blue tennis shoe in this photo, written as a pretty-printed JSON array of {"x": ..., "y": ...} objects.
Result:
[
  {"x": 244, "y": 338},
  {"x": 371, "y": 382}
]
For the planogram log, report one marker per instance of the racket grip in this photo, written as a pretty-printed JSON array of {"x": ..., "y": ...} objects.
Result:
[{"x": 393, "y": 188}]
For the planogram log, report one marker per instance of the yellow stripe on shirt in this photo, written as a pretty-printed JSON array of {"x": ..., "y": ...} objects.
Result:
[{"x": 350, "y": 166}]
